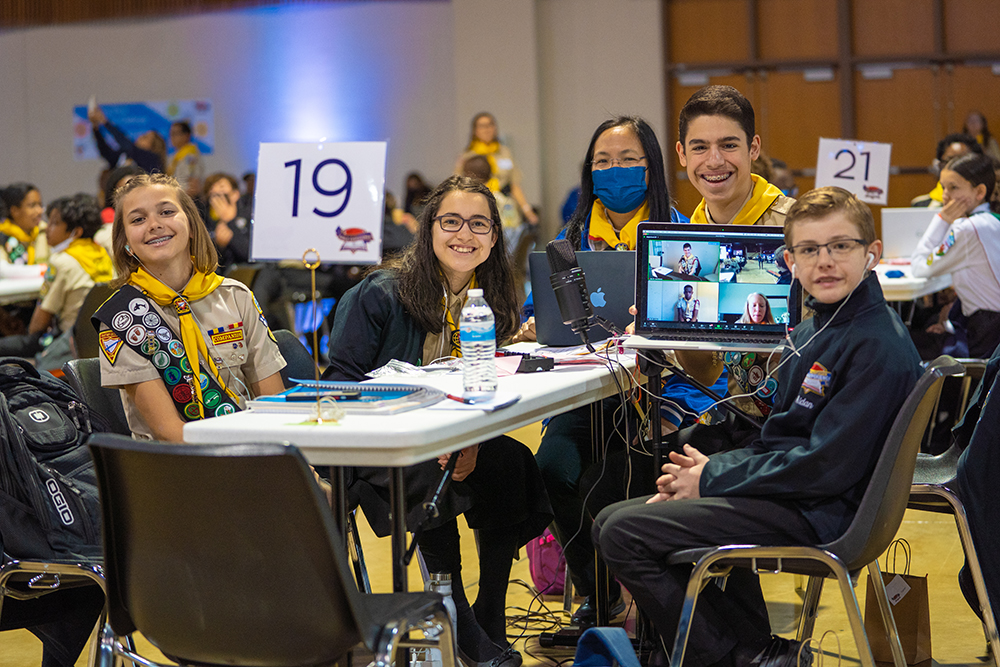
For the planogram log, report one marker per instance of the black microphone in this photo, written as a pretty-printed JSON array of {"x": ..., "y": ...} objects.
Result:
[{"x": 570, "y": 287}]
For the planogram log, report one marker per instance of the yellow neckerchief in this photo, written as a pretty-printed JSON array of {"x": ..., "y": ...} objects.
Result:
[
  {"x": 27, "y": 240},
  {"x": 761, "y": 197},
  {"x": 937, "y": 194},
  {"x": 601, "y": 227},
  {"x": 92, "y": 257},
  {"x": 199, "y": 286},
  {"x": 490, "y": 151},
  {"x": 181, "y": 154},
  {"x": 456, "y": 345}
]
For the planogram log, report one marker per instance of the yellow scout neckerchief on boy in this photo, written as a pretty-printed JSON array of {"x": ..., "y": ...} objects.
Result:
[
  {"x": 93, "y": 258},
  {"x": 601, "y": 227},
  {"x": 26, "y": 240},
  {"x": 490, "y": 151},
  {"x": 456, "y": 344},
  {"x": 182, "y": 153},
  {"x": 762, "y": 196},
  {"x": 199, "y": 286}
]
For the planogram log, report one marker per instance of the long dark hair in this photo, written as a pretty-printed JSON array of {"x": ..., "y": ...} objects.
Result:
[
  {"x": 978, "y": 170},
  {"x": 419, "y": 277},
  {"x": 657, "y": 194}
]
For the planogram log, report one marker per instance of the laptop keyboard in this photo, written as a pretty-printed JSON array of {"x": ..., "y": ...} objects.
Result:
[{"x": 715, "y": 337}]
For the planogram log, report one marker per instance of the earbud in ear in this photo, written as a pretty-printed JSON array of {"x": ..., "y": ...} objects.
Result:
[
  {"x": 793, "y": 273},
  {"x": 128, "y": 249},
  {"x": 871, "y": 260}
]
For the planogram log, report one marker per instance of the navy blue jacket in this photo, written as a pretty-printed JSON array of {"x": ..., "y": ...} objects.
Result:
[{"x": 836, "y": 401}]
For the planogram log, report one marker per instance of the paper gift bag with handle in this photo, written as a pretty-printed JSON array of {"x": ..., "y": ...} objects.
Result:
[{"x": 910, "y": 608}]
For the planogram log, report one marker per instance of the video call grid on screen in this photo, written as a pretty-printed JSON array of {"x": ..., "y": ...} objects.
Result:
[{"x": 730, "y": 273}]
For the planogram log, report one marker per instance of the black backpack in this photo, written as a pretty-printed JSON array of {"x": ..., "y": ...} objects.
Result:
[{"x": 49, "y": 506}]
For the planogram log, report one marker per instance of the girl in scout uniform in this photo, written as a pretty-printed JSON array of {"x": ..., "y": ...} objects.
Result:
[{"x": 180, "y": 342}]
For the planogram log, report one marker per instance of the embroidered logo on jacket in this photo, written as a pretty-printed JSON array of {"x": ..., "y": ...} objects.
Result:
[
  {"x": 817, "y": 380},
  {"x": 110, "y": 344}
]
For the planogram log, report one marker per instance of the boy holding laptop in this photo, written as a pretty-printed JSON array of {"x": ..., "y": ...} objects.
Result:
[{"x": 842, "y": 380}]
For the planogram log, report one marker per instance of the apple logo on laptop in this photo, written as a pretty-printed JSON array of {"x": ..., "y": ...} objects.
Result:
[{"x": 597, "y": 298}]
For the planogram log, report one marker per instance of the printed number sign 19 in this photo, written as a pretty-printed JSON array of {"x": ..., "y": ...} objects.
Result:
[
  {"x": 325, "y": 196},
  {"x": 861, "y": 167}
]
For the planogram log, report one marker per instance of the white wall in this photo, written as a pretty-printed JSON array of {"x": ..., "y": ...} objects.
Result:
[{"x": 411, "y": 72}]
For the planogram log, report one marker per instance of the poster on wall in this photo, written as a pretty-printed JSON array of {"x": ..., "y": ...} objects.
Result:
[
  {"x": 135, "y": 118},
  {"x": 327, "y": 197}
]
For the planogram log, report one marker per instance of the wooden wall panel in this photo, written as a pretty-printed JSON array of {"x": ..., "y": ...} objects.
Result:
[
  {"x": 892, "y": 27},
  {"x": 974, "y": 88},
  {"x": 797, "y": 29},
  {"x": 899, "y": 111},
  {"x": 794, "y": 114},
  {"x": 971, "y": 26},
  {"x": 705, "y": 31}
]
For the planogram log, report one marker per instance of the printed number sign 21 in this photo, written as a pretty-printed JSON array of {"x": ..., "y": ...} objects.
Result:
[
  {"x": 860, "y": 167},
  {"x": 327, "y": 197}
]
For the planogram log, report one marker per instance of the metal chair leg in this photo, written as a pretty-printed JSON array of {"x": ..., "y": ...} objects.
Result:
[
  {"x": 357, "y": 554},
  {"x": 810, "y": 608}
]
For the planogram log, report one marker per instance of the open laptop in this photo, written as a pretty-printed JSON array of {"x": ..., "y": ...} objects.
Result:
[
  {"x": 694, "y": 283},
  {"x": 902, "y": 229},
  {"x": 610, "y": 283}
]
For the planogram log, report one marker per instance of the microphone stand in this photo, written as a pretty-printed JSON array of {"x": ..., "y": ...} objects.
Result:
[{"x": 430, "y": 506}]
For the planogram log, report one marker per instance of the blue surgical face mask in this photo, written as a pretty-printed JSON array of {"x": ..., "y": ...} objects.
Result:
[{"x": 620, "y": 189}]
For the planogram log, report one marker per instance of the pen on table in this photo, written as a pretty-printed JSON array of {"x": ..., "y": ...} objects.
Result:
[{"x": 467, "y": 401}]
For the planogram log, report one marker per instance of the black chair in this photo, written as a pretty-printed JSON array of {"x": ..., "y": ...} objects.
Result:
[
  {"x": 229, "y": 554},
  {"x": 873, "y": 528},
  {"x": 935, "y": 489},
  {"x": 84, "y": 375},
  {"x": 85, "y": 340},
  {"x": 299, "y": 361}
]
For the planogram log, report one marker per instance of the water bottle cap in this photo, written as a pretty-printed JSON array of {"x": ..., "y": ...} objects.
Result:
[
  {"x": 440, "y": 576},
  {"x": 476, "y": 292}
]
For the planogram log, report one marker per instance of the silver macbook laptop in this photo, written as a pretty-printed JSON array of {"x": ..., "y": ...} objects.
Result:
[
  {"x": 610, "y": 284},
  {"x": 902, "y": 229},
  {"x": 712, "y": 287}
]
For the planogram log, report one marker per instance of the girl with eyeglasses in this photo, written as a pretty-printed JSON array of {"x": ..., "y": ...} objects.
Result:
[{"x": 409, "y": 309}]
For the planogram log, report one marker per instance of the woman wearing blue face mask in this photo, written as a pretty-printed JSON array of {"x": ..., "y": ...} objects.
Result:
[{"x": 622, "y": 183}]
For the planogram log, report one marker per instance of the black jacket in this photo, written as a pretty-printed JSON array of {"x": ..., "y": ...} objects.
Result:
[{"x": 837, "y": 398}]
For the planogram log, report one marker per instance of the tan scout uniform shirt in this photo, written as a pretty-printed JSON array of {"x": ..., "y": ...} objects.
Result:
[
  {"x": 66, "y": 286},
  {"x": 240, "y": 362}
]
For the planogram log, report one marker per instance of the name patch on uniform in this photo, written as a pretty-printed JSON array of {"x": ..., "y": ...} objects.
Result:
[
  {"x": 110, "y": 344},
  {"x": 228, "y": 334},
  {"x": 817, "y": 379}
]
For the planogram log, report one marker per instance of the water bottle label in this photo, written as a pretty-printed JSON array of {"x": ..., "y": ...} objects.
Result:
[{"x": 473, "y": 334}]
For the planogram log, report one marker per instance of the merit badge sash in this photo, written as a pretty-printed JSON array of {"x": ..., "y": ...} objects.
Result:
[{"x": 133, "y": 321}]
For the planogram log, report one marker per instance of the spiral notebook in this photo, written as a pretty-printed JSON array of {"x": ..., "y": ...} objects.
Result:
[{"x": 355, "y": 397}]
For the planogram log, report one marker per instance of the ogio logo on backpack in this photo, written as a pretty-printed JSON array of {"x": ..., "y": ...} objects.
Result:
[
  {"x": 40, "y": 416},
  {"x": 61, "y": 506}
]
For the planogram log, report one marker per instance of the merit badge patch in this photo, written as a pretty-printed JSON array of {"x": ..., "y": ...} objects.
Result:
[
  {"x": 817, "y": 380},
  {"x": 110, "y": 344},
  {"x": 138, "y": 307}
]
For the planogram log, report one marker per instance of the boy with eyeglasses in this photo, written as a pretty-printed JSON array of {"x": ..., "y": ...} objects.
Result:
[{"x": 843, "y": 377}]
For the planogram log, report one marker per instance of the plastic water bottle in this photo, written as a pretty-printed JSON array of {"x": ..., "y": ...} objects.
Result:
[
  {"x": 440, "y": 582},
  {"x": 477, "y": 333}
]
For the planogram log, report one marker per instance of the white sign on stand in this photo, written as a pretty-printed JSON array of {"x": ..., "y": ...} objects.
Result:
[
  {"x": 861, "y": 167},
  {"x": 327, "y": 196}
]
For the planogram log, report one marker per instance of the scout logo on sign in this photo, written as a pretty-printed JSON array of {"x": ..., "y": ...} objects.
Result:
[
  {"x": 110, "y": 344},
  {"x": 355, "y": 239},
  {"x": 817, "y": 379},
  {"x": 230, "y": 334}
]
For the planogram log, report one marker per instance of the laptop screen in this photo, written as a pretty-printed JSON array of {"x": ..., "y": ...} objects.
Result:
[{"x": 712, "y": 279}]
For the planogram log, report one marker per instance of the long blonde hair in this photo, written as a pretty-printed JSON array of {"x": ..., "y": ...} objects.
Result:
[
  {"x": 202, "y": 249},
  {"x": 768, "y": 315}
]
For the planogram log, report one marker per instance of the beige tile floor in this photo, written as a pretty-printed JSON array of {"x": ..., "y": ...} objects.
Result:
[{"x": 957, "y": 637}]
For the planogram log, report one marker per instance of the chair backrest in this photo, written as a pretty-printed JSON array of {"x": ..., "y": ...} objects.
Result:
[
  {"x": 299, "y": 361},
  {"x": 224, "y": 554},
  {"x": 881, "y": 510},
  {"x": 245, "y": 273},
  {"x": 84, "y": 375},
  {"x": 84, "y": 335}
]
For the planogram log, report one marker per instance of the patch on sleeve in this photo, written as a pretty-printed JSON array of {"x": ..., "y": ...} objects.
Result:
[
  {"x": 817, "y": 380},
  {"x": 110, "y": 345},
  {"x": 260, "y": 313}
]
